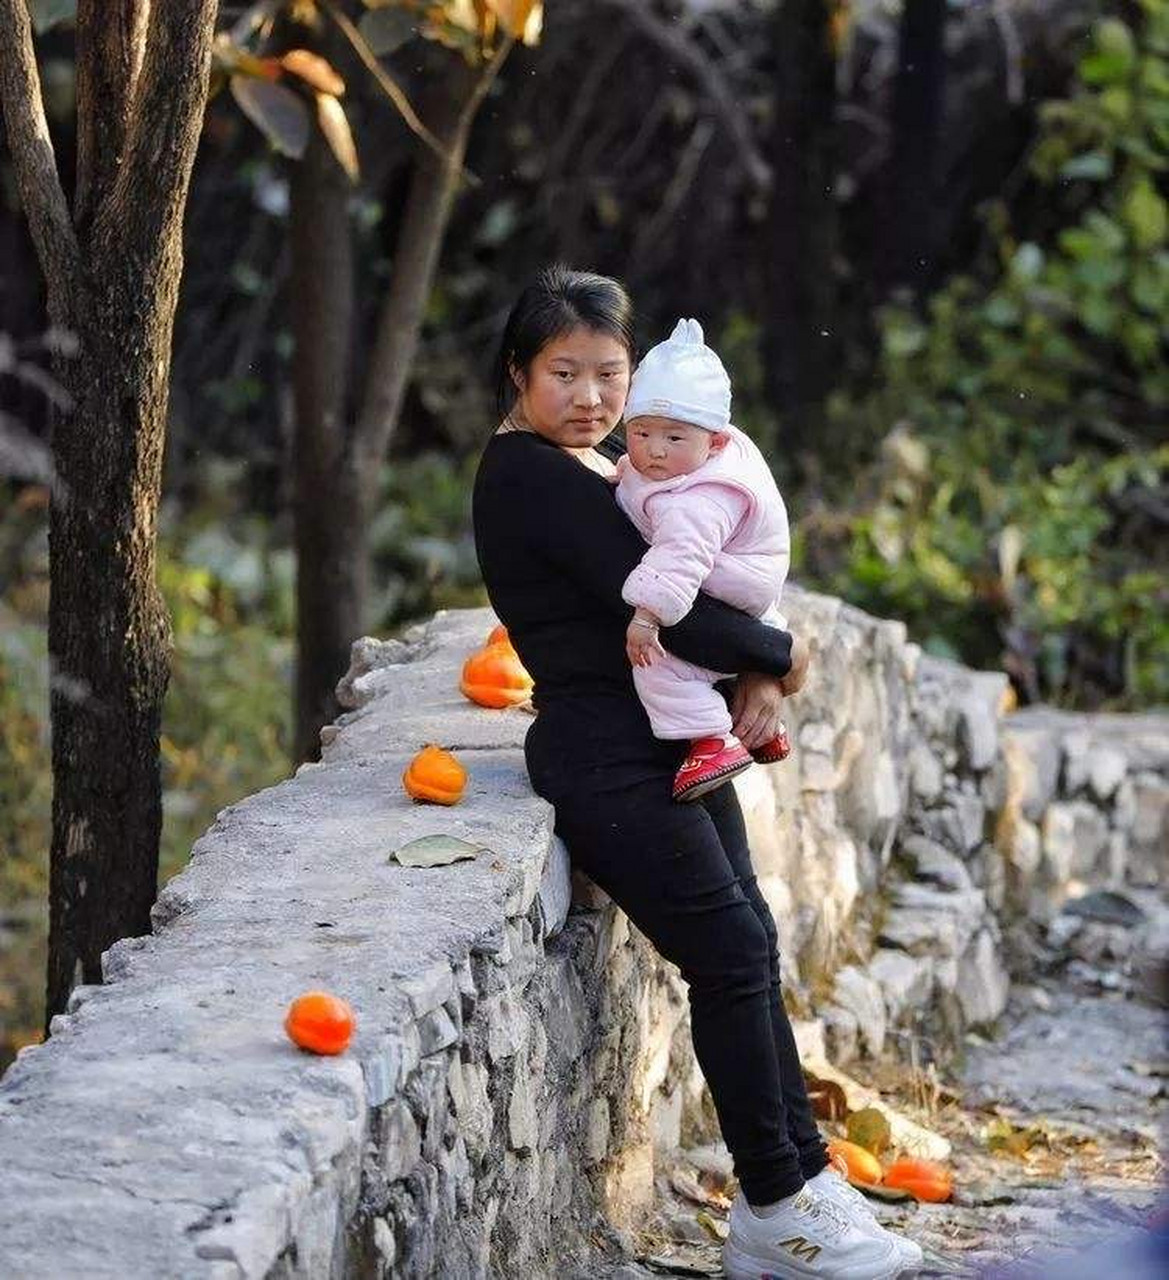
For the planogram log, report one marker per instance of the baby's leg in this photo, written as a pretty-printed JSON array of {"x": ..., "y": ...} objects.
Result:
[
  {"x": 682, "y": 703},
  {"x": 681, "y": 700}
]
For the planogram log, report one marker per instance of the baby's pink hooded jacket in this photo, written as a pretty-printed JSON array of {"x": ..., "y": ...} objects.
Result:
[{"x": 722, "y": 529}]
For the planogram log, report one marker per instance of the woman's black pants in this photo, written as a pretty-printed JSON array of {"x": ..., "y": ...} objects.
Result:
[{"x": 683, "y": 875}]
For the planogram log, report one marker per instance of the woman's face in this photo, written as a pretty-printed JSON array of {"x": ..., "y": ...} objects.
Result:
[{"x": 574, "y": 390}]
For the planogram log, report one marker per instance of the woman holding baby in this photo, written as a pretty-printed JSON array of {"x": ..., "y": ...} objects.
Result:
[{"x": 628, "y": 592}]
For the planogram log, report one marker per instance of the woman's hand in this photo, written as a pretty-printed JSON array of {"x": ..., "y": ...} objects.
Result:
[
  {"x": 756, "y": 708},
  {"x": 642, "y": 646},
  {"x": 793, "y": 682}
]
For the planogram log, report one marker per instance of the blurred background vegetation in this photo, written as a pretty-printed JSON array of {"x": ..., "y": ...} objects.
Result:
[{"x": 983, "y": 453}]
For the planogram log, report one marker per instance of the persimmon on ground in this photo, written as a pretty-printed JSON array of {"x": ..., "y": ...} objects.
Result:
[
  {"x": 320, "y": 1022},
  {"x": 434, "y": 776},
  {"x": 923, "y": 1179},
  {"x": 862, "y": 1166}
]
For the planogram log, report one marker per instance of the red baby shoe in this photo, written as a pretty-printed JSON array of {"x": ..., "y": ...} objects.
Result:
[
  {"x": 710, "y": 762},
  {"x": 779, "y": 748}
]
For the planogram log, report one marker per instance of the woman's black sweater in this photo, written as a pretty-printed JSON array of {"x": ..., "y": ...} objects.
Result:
[{"x": 555, "y": 549}]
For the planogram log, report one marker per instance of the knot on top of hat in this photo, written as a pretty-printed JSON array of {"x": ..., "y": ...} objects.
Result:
[
  {"x": 683, "y": 379},
  {"x": 687, "y": 333}
]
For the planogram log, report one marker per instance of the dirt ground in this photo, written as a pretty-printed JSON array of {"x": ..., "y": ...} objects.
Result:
[{"x": 1057, "y": 1139}]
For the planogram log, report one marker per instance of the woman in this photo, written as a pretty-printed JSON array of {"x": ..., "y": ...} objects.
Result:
[{"x": 554, "y": 550}]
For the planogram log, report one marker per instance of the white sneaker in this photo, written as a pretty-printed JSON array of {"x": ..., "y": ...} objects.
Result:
[
  {"x": 809, "y": 1238},
  {"x": 829, "y": 1184}
]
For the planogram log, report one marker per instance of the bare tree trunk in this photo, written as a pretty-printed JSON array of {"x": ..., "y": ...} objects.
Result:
[
  {"x": 330, "y": 519},
  {"x": 433, "y": 186},
  {"x": 109, "y": 637},
  {"x": 338, "y": 470},
  {"x": 799, "y": 342},
  {"x": 911, "y": 220},
  {"x": 113, "y": 281}
]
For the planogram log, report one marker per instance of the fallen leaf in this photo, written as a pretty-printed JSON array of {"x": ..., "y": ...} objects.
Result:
[
  {"x": 869, "y": 1128},
  {"x": 1002, "y": 1135},
  {"x": 686, "y": 1184},
  {"x": 714, "y": 1227},
  {"x": 691, "y": 1188},
  {"x": 827, "y": 1098},
  {"x": 435, "y": 851}
]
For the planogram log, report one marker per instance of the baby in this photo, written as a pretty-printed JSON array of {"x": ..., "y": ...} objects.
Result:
[{"x": 701, "y": 494}]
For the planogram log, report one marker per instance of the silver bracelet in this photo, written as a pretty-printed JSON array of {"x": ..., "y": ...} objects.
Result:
[{"x": 641, "y": 622}]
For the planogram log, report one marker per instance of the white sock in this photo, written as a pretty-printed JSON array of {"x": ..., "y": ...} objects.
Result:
[{"x": 770, "y": 1210}]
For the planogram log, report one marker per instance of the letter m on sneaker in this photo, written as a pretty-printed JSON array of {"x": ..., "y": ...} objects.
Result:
[{"x": 801, "y": 1247}]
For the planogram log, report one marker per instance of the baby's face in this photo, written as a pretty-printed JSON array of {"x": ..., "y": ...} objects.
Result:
[{"x": 662, "y": 448}]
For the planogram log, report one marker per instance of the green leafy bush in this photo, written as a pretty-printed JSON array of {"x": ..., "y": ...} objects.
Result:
[{"x": 1018, "y": 511}]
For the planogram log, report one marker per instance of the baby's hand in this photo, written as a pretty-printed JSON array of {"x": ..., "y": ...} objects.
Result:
[{"x": 641, "y": 641}]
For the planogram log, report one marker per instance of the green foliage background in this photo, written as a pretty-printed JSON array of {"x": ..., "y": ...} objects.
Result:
[{"x": 1015, "y": 513}]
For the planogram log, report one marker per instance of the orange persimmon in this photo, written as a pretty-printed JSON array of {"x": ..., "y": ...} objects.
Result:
[
  {"x": 862, "y": 1166},
  {"x": 923, "y": 1179},
  {"x": 320, "y": 1022},
  {"x": 497, "y": 635},
  {"x": 495, "y": 677},
  {"x": 435, "y": 776}
]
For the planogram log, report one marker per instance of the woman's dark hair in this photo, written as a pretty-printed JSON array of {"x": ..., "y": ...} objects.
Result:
[{"x": 556, "y": 302}]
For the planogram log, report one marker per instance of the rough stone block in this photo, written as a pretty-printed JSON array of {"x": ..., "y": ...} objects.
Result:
[
  {"x": 977, "y": 715},
  {"x": 436, "y": 1031},
  {"x": 905, "y": 981},
  {"x": 925, "y": 774},
  {"x": 929, "y": 921},
  {"x": 841, "y": 1032},
  {"x": 507, "y": 1025},
  {"x": 983, "y": 985},
  {"x": 930, "y": 862},
  {"x": 555, "y": 887},
  {"x": 856, "y": 992},
  {"x": 1075, "y": 836},
  {"x": 597, "y": 1131},
  {"x": 1033, "y": 762}
]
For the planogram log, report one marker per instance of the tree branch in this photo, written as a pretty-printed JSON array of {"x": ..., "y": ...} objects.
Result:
[
  {"x": 41, "y": 195},
  {"x": 689, "y": 56},
  {"x": 388, "y": 85},
  {"x": 166, "y": 117},
  {"x": 433, "y": 188},
  {"x": 111, "y": 37}
]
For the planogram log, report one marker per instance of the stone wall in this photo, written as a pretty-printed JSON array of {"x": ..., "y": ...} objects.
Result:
[
  {"x": 922, "y": 838},
  {"x": 516, "y": 1064}
]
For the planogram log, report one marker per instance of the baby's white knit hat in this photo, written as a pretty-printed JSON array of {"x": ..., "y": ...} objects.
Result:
[{"x": 682, "y": 378}]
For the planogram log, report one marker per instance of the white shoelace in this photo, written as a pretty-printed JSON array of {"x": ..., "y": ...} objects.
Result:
[
  {"x": 831, "y": 1218},
  {"x": 846, "y": 1190}
]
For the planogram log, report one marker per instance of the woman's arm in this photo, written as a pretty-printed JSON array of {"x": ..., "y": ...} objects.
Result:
[{"x": 570, "y": 518}]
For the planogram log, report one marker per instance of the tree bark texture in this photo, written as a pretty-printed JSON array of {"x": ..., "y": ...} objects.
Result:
[
  {"x": 112, "y": 271},
  {"x": 338, "y": 469},
  {"x": 799, "y": 346},
  {"x": 329, "y": 514},
  {"x": 433, "y": 187},
  {"x": 918, "y": 97}
]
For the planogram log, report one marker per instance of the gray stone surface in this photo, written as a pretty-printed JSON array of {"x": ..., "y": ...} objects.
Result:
[
  {"x": 520, "y": 1050},
  {"x": 169, "y": 1128},
  {"x": 905, "y": 981}
]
